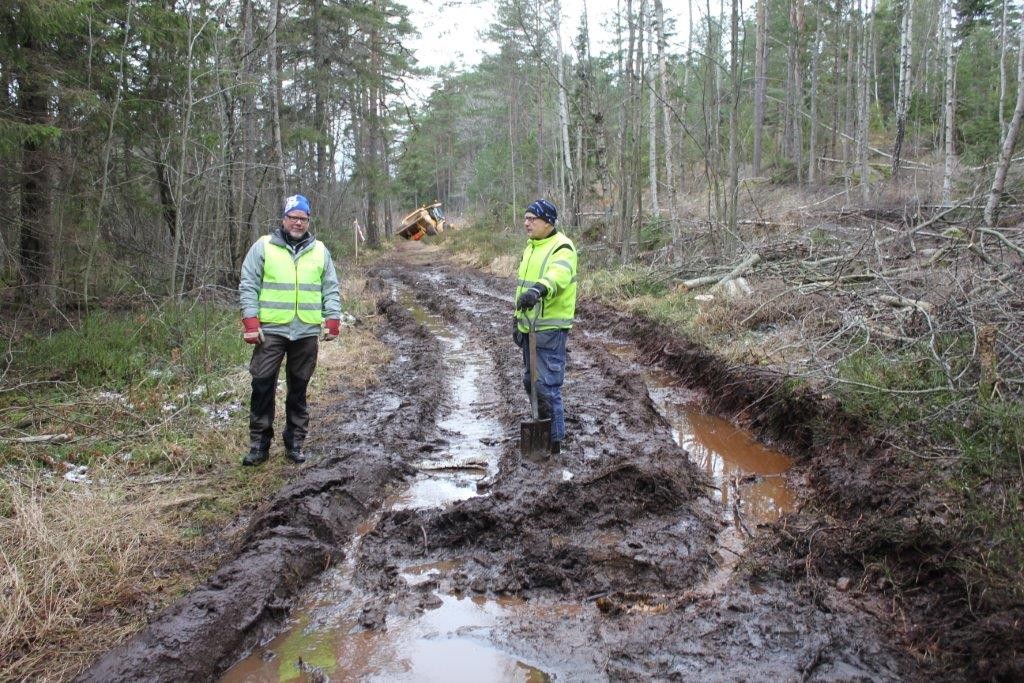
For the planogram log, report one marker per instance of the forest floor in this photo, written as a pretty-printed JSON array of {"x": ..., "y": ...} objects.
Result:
[{"x": 625, "y": 557}]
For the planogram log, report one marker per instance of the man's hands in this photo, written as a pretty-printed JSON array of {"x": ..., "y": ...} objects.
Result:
[
  {"x": 253, "y": 333},
  {"x": 333, "y": 326},
  {"x": 530, "y": 297}
]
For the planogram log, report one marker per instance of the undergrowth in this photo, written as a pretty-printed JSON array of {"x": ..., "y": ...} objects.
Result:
[
  {"x": 484, "y": 243},
  {"x": 981, "y": 442}
]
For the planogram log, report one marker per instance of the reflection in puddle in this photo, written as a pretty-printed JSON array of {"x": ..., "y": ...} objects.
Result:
[
  {"x": 742, "y": 469},
  {"x": 470, "y": 454},
  {"x": 747, "y": 474},
  {"x": 448, "y": 643}
]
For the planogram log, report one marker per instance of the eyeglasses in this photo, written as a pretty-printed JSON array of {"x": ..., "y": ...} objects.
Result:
[
  {"x": 298, "y": 219},
  {"x": 530, "y": 219}
]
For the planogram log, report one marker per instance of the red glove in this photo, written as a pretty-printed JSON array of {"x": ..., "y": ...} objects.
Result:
[
  {"x": 333, "y": 328},
  {"x": 253, "y": 332}
]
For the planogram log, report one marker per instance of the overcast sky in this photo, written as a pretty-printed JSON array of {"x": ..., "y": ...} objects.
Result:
[{"x": 450, "y": 29}]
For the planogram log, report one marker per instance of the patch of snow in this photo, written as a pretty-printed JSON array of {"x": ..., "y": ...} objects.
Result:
[{"x": 77, "y": 473}]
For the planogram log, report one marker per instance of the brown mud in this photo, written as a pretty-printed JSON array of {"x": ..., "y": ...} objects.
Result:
[{"x": 617, "y": 544}]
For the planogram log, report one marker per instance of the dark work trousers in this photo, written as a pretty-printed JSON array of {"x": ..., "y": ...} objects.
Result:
[
  {"x": 264, "y": 368},
  {"x": 550, "y": 375}
]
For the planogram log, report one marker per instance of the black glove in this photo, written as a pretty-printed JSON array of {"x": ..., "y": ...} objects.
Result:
[
  {"x": 517, "y": 336},
  {"x": 530, "y": 297}
]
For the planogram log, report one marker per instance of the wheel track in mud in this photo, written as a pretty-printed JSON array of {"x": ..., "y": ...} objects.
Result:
[{"x": 633, "y": 527}]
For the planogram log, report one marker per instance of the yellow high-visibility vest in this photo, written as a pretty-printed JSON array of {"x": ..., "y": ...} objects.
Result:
[{"x": 292, "y": 285}]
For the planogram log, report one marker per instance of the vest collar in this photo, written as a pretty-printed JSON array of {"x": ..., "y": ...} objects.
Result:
[{"x": 544, "y": 240}]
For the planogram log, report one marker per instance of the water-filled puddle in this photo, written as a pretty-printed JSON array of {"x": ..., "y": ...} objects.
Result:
[
  {"x": 747, "y": 475},
  {"x": 448, "y": 643},
  {"x": 469, "y": 454}
]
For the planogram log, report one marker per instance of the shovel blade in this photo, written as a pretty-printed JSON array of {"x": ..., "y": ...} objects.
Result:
[{"x": 535, "y": 439}]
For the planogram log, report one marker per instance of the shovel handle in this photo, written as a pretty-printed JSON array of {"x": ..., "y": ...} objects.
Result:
[{"x": 532, "y": 324}]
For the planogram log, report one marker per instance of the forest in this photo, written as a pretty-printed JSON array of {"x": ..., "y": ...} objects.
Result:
[
  {"x": 151, "y": 127},
  {"x": 827, "y": 193}
]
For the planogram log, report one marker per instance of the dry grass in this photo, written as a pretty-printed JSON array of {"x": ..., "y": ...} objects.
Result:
[
  {"x": 357, "y": 356},
  {"x": 505, "y": 266},
  {"x": 72, "y": 555}
]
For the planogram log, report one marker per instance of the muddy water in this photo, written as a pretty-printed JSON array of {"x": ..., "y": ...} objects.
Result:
[
  {"x": 450, "y": 639},
  {"x": 748, "y": 476}
]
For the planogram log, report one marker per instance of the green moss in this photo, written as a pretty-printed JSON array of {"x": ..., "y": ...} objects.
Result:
[{"x": 985, "y": 440}]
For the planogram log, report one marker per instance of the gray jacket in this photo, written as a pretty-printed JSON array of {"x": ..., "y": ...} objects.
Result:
[{"x": 251, "y": 283}]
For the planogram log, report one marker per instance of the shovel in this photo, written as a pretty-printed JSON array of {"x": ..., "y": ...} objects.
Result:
[{"x": 535, "y": 435}]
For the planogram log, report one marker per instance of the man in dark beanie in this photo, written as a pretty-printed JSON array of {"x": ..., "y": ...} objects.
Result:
[
  {"x": 288, "y": 290},
  {"x": 546, "y": 296}
]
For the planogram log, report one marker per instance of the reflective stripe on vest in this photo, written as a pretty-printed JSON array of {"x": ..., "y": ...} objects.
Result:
[{"x": 292, "y": 285}]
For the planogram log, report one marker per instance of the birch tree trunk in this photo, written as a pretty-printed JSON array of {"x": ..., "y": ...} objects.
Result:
[
  {"x": 627, "y": 158},
  {"x": 563, "y": 115},
  {"x": 652, "y": 115},
  {"x": 1009, "y": 141},
  {"x": 812, "y": 143},
  {"x": 760, "y": 80},
  {"x": 712, "y": 113},
  {"x": 1002, "y": 72},
  {"x": 686, "y": 85},
  {"x": 852, "y": 70},
  {"x": 666, "y": 113},
  {"x": 950, "y": 106},
  {"x": 904, "y": 87}
]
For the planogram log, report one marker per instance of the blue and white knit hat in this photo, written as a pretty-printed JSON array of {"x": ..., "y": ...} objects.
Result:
[
  {"x": 544, "y": 210},
  {"x": 296, "y": 201}
]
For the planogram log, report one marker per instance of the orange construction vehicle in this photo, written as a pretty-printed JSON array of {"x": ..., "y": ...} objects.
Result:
[{"x": 426, "y": 220}]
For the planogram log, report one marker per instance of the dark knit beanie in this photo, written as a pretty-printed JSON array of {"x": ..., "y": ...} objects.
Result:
[{"x": 544, "y": 210}]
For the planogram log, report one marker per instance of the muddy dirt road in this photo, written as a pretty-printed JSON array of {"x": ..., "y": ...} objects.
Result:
[{"x": 448, "y": 557}]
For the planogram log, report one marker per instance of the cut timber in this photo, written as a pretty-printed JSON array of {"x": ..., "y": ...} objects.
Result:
[
  {"x": 720, "y": 280},
  {"x": 742, "y": 268},
  {"x": 903, "y": 302},
  {"x": 42, "y": 438}
]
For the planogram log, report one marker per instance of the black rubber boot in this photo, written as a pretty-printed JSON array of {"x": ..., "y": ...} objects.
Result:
[
  {"x": 256, "y": 456},
  {"x": 295, "y": 454},
  {"x": 556, "y": 447}
]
